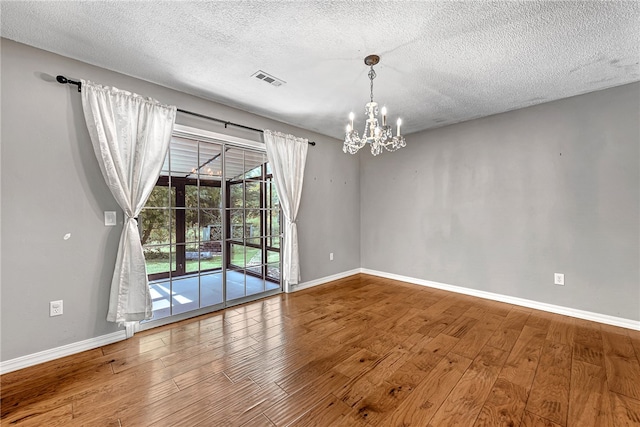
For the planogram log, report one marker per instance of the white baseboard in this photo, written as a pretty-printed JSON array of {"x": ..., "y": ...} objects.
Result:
[
  {"x": 323, "y": 280},
  {"x": 73, "y": 348},
  {"x": 58, "y": 352},
  {"x": 566, "y": 311}
]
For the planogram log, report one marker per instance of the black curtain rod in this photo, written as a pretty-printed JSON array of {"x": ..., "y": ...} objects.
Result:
[
  {"x": 226, "y": 122},
  {"x": 65, "y": 81}
]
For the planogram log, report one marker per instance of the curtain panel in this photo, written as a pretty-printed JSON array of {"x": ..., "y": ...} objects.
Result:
[
  {"x": 287, "y": 155},
  {"x": 130, "y": 136}
]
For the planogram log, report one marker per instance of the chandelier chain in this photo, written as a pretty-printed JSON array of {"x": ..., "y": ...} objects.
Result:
[{"x": 372, "y": 75}]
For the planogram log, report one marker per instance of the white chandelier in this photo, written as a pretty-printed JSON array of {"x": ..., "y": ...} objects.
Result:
[{"x": 374, "y": 134}]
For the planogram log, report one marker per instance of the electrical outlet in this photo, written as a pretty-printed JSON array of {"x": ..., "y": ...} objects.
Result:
[
  {"x": 331, "y": 256},
  {"x": 558, "y": 279},
  {"x": 55, "y": 308}
]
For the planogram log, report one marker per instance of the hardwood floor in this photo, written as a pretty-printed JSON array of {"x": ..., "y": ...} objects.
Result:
[{"x": 356, "y": 352}]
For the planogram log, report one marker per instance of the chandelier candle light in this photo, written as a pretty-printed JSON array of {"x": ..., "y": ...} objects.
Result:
[{"x": 374, "y": 134}]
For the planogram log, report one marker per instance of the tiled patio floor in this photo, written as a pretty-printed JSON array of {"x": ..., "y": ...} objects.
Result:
[{"x": 192, "y": 292}]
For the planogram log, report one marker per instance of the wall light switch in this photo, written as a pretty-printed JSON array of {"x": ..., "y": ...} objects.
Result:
[
  {"x": 109, "y": 218},
  {"x": 331, "y": 256}
]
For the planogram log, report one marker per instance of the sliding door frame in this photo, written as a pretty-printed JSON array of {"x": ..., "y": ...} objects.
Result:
[{"x": 225, "y": 141}]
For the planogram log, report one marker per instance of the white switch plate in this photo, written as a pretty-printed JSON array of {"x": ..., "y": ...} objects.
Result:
[
  {"x": 109, "y": 218},
  {"x": 558, "y": 279},
  {"x": 55, "y": 308},
  {"x": 331, "y": 256}
]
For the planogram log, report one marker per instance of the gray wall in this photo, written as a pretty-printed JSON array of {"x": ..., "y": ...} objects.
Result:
[
  {"x": 501, "y": 203},
  {"x": 51, "y": 185}
]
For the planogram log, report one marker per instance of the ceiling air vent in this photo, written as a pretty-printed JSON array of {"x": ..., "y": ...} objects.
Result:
[{"x": 274, "y": 81}]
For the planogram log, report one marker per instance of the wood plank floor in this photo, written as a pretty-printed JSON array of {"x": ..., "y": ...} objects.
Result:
[{"x": 356, "y": 352}]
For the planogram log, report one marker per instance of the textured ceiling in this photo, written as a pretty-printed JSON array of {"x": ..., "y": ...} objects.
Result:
[{"x": 441, "y": 62}]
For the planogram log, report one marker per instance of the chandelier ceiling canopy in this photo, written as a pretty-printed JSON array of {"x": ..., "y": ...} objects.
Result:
[{"x": 378, "y": 136}]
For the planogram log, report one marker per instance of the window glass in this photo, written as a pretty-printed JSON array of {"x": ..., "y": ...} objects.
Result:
[
  {"x": 254, "y": 173},
  {"x": 253, "y": 218},
  {"x": 158, "y": 259},
  {"x": 237, "y": 224},
  {"x": 159, "y": 197},
  {"x": 153, "y": 226},
  {"x": 236, "y": 195},
  {"x": 252, "y": 194},
  {"x": 210, "y": 197}
]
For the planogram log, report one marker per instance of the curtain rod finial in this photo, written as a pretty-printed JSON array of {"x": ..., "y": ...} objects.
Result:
[{"x": 63, "y": 80}]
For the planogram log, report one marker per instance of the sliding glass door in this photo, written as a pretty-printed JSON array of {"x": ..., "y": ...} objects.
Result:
[
  {"x": 253, "y": 250},
  {"x": 210, "y": 230}
]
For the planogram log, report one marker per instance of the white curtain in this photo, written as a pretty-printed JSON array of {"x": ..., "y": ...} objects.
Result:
[
  {"x": 287, "y": 155},
  {"x": 130, "y": 136}
]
